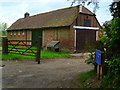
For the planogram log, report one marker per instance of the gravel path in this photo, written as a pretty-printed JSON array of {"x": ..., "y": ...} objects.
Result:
[{"x": 51, "y": 73}]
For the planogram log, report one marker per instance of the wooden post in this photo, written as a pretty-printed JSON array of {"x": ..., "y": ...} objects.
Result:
[
  {"x": 4, "y": 45},
  {"x": 102, "y": 66},
  {"x": 98, "y": 71},
  {"x": 39, "y": 45}
]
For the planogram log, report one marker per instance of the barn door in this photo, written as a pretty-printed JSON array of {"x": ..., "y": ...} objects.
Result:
[
  {"x": 84, "y": 36},
  {"x": 35, "y": 35}
]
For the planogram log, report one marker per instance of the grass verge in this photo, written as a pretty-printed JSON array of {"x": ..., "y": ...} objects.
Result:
[
  {"x": 90, "y": 80},
  {"x": 44, "y": 54},
  {"x": 83, "y": 80}
]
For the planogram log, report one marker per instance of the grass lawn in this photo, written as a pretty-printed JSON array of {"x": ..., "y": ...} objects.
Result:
[{"x": 44, "y": 54}]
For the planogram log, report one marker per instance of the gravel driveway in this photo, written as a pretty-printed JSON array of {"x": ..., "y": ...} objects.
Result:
[{"x": 51, "y": 73}]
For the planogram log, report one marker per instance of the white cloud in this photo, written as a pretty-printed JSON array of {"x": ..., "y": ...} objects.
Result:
[
  {"x": 15, "y": 9},
  {"x": 11, "y": 13},
  {"x": 42, "y": 1}
]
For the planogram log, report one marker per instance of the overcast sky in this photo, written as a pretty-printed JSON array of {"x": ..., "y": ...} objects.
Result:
[{"x": 11, "y": 10}]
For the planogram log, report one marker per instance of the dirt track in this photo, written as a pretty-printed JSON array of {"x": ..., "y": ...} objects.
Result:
[{"x": 51, "y": 73}]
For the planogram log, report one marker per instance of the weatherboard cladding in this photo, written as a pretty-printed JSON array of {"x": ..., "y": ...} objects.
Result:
[{"x": 57, "y": 18}]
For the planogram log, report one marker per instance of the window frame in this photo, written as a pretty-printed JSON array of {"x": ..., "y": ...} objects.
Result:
[{"x": 14, "y": 33}]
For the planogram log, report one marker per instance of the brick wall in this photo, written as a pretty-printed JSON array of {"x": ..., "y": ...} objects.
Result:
[
  {"x": 72, "y": 37},
  {"x": 61, "y": 34}
]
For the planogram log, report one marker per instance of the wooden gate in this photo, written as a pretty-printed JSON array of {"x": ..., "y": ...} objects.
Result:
[{"x": 23, "y": 47}]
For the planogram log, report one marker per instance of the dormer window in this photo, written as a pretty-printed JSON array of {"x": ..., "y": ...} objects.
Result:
[{"x": 87, "y": 22}]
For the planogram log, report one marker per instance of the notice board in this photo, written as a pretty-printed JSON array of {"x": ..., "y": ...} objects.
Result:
[{"x": 98, "y": 57}]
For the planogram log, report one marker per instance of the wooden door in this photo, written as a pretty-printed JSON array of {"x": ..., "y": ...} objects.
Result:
[
  {"x": 83, "y": 36},
  {"x": 35, "y": 35}
]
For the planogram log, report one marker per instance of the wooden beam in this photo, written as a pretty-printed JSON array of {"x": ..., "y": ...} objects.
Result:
[{"x": 83, "y": 27}]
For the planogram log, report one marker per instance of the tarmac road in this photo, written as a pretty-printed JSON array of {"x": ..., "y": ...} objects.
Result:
[{"x": 51, "y": 73}]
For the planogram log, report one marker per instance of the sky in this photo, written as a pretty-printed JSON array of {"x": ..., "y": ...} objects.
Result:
[{"x": 12, "y": 10}]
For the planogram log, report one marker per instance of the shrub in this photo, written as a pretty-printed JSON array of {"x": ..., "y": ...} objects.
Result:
[{"x": 111, "y": 39}]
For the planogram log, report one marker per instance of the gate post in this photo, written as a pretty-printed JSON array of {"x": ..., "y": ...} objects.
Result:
[
  {"x": 4, "y": 45},
  {"x": 39, "y": 46},
  {"x": 102, "y": 68}
]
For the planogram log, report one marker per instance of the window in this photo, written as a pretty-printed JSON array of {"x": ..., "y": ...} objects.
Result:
[
  {"x": 87, "y": 22},
  {"x": 14, "y": 33},
  {"x": 18, "y": 32},
  {"x": 23, "y": 33},
  {"x": 11, "y": 33}
]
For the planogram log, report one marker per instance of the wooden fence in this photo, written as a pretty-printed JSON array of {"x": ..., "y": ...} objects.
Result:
[{"x": 17, "y": 47}]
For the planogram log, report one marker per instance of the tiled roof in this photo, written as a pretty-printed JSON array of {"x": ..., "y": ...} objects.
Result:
[{"x": 57, "y": 18}]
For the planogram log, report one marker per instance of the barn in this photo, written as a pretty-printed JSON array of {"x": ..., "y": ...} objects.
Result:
[{"x": 71, "y": 26}]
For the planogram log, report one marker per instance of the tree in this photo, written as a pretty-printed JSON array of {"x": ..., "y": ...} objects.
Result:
[
  {"x": 94, "y": 2},
  {"x": 111, "y": 39},
  {"x": 3, "y": 26},
  {"x": 115, "y": 9}
]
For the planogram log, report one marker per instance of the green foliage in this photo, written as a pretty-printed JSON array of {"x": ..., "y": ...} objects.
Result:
[
  {"x": 111, "y": 40},
  {"x": 15, "y": 57},
  {"x": 3, "y": 26},
  {"x": 98, "y": 45},
  {"x": 91, "y": 58},
  {"x": 3, "y": 33},
  {"x": 109, "y": 43},
  {"x": 111, "y": 36},
  {"x": 110, "y": 81},
  {"x": 106, "y": 81},
  {"x": 115, "y": 9},
  {"x": 114, "y": 64},
  {"x": 52, "y": 54}
]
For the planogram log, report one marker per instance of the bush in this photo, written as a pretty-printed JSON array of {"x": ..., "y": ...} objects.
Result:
[
  {"x": 98, "y": 45},
  {"x": 111, "y": 40},
  {"x": 109, "y": 44}
]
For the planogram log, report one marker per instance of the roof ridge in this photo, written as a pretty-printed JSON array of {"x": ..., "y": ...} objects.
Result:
[
  {"x": 53, "y": 11},
  {"x": 55, "y": 18},
  {"x": 87, "y": 9}
]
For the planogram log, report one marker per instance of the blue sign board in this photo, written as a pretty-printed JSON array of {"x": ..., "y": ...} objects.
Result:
[{"x": 98, "y": 57}]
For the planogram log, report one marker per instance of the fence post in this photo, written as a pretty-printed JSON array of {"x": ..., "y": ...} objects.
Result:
[
  {"x": 39, "y": 45},
  {"x": 4, "y": 45}
]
